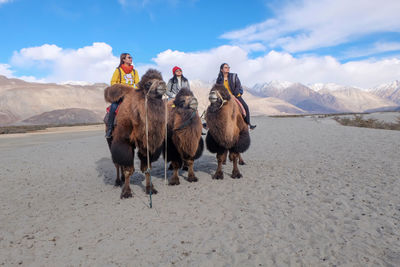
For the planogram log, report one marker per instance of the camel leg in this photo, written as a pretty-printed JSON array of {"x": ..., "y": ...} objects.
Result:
[
  {"x": 185, "y": 166},
  {"x": 126, "y": 189},
  {"x": 235, "y": 171},
  {"x": 224, "y": 157},
  {"x": 122, "y": 176},
  {"x": 118, "y": 181},
  {"x": 191, "y": 176},
  {"x": 174, "y": 179},
  {"x": 241, "y": 161},
  {"x": 219, "y": 174},
  {"x": 143, "y": 168}
]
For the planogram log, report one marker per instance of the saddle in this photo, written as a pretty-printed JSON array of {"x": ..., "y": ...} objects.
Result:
[
  {"x": 243, "y": 111},
  {"x": 116, "y": 111},
  {"x": 105, "y": 120}
]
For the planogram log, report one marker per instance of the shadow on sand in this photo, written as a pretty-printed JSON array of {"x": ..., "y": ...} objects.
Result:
[{"x": 106, "y": 170}]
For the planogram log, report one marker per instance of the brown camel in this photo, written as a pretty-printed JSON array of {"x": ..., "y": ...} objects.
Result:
[
  {"x": 130, "y": 130},
  {"x": 114, "y": 94},
  {"x": 227, "y": 130},
  {"x": 184, "y": 142}
]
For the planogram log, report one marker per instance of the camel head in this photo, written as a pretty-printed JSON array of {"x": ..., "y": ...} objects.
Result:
[
  {"x": 152, "y": 84},
  {"x": 185, "y": 99},
  {"x": 218, "y": 96}
]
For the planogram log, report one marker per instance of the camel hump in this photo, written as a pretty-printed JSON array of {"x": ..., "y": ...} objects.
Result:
[{"x": 115, "y": 92}]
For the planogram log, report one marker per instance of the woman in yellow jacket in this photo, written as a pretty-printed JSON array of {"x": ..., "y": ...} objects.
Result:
[{"x": 124, "y": 74}]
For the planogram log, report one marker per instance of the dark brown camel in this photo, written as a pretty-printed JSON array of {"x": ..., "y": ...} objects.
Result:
[
  {"x": 130, "y": 129},
  {"x": 184, "y": 142},
  {"x": 227, "y": 130}
]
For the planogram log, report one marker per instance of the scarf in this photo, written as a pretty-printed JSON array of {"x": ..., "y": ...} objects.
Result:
[{"x": 127, "y": 69}]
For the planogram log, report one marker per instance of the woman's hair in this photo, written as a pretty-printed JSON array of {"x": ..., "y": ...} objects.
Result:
[
  {"x": 121, "y": 59},
  {"x": 222, "y": 66},
  {"x": 175, "y": 79},
  {"x": 220, "y": 77}
]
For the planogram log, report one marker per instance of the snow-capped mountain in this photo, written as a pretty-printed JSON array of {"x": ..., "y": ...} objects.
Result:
[
  {"x": 390, "y": 91},
  {"x": 325, "y": 98},
  {"x": 296, "y": 94}
]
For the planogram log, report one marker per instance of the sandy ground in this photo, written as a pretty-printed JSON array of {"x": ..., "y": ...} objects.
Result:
[{"x": 314, "y": 193}]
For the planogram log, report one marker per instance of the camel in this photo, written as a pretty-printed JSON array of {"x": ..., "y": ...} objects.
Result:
[
  {"x": 130, "y": 130},
  {"x": 184, "y": 142},
  {"x": 227, "y": 130}
]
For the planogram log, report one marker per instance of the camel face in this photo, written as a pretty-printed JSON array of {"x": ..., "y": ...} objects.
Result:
[
  {"x": 213, "y": 97},
  {"x": 157, "y": 88},
  {"x": 187, "y": 102}
]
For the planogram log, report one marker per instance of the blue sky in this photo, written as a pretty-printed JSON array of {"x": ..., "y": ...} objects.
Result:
[{"x": 347, "y": 42}]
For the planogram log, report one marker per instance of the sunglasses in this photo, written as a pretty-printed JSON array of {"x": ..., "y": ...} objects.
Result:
[{"x": 129, "y": 57}]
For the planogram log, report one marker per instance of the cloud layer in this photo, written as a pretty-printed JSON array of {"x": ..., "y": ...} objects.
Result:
[
  {"x": 311, "y": 24},
  {"x": 96, "y": 63},
  {"x": 93, "y": 63},
  {"x": 279, "y": 66}
]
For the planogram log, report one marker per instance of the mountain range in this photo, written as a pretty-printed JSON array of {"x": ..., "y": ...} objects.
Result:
[{"x": 24, "y": 102}]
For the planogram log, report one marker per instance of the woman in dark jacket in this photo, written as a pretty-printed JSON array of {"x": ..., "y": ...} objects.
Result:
[{"x": 232, "y": 84}]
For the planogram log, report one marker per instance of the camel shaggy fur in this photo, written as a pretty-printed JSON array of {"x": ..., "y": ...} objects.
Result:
[
  {"x": 184, "y": 142},
  {"x": 130, "y": 130},
  {"x": 227, "y": 130}
]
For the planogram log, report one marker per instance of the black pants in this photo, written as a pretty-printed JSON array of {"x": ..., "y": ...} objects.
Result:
[
  {"x": 246, "y": 108},
  {"x": 111, "y": 117}
]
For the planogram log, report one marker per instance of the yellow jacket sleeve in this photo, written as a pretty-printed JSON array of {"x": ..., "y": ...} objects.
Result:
[
  {"x": 136, "y": 78},
  {"x": 115, "y": 78}
]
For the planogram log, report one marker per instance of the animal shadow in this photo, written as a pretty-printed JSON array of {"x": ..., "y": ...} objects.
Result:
[{"x": 106, "y": 170}]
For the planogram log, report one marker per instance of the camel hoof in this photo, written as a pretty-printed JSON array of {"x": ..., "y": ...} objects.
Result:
[
  {"x": 218, "y": 175},
  {"x": 118, "y": 183},
  {"x": 126, "y": 192},
  {"x": 192, "y": 179},
  {"x": 153, "y": 190},
  {"x": 236, "y": 175},
  {"x": 174, "y": 181},
  {"x": 241, "y": 162}
]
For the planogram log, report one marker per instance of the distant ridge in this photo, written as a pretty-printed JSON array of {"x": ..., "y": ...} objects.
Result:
[
  {"x": 24, "y": 102},
  {"x": 65, "y": 116}
]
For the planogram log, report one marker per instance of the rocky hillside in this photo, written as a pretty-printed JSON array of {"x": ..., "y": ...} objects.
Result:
[
  {"x": 65, "y": 116},
  {"x": 21, "y": 100}
]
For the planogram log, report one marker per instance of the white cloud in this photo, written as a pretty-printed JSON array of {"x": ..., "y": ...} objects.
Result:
[
  {"x": 145, "y": 3},
  {"x": 5, "y": 70},
  {"x": 5, "y": 1},
  {"x": 310, "y": 24},
  {"x": 376, "y": 48},
  {"x": 278, "y": 66},
  {"x": 94, "y": 63}
]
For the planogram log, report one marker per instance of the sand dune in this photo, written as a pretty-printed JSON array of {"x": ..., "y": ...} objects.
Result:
[{"x": 314, "y": 193}]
